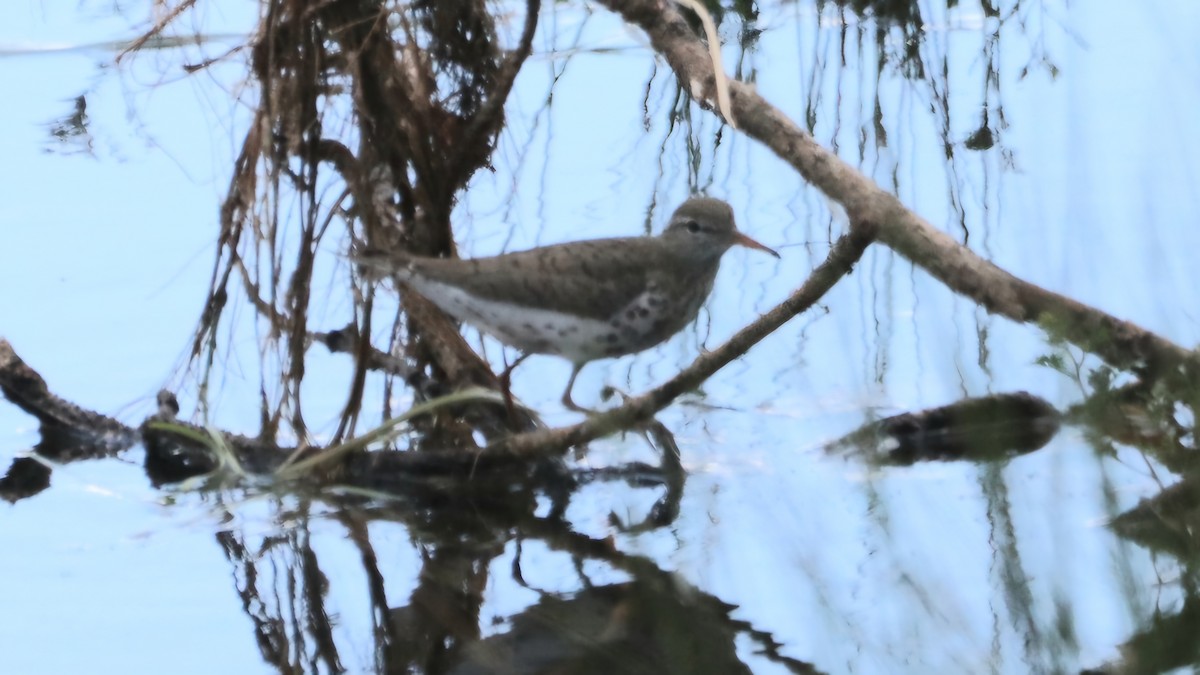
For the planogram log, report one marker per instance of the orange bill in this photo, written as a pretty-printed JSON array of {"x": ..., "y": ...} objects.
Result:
[{"x": 743, "y": 240}]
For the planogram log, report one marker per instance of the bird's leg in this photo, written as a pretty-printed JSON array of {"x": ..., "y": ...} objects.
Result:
[{"x": 567, "y": 402}]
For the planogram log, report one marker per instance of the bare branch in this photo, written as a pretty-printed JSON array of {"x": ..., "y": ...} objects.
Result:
[{"x": 1120, "y": 343}]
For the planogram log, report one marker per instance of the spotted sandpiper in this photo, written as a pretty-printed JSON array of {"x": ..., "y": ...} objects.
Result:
[{"x": 582, "y": 300}]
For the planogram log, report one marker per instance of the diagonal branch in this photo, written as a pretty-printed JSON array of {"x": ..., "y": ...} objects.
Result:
[{"x": 1120, "y": 343}]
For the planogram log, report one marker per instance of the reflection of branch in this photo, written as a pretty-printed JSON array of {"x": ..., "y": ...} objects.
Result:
[
  {"x": 1167, "y": 643},
  {"x": 666, "y": 509},
  {"x": 658, "y": 613},
  {"x": 269, "y": 631},
  {"x": 1167, "y": 522},
  {"x": 318, "y": 624},
  {"x": 359, "y": 535},
  {"x": 293, "y": 629},
  {"x": 1121, "y": 343}
]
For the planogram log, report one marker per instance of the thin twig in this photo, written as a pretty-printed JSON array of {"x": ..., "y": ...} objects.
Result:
[
  {"x": 714, "y": 53},
  {"x": 158, "y": 28}
]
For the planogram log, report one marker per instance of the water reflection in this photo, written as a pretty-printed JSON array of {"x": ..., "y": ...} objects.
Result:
[
  {"x": 651, "y": 621},
  {"x": 938, "y": 566}
]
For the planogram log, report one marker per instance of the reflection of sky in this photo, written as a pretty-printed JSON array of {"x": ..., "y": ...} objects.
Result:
[{"x": 105, "y": 260}]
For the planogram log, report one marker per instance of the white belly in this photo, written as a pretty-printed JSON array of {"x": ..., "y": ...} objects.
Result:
[{"x": 528, "y": 329}]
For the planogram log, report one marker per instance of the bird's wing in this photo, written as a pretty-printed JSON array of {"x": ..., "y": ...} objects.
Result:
[{"x": 584, "y": 278}]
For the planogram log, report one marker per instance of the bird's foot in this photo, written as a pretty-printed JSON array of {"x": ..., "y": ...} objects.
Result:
[
  {"x": 610, "y": 391},
  {"x": 570, "y": 404}
]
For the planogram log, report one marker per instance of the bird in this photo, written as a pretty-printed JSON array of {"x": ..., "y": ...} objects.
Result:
[{"x": 582, "y": 300}]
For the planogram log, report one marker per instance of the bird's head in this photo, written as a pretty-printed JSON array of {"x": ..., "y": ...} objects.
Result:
[{"x": 706, "y": 228}]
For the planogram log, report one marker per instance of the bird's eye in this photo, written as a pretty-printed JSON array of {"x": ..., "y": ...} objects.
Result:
[{"x": 692, "y": 226}]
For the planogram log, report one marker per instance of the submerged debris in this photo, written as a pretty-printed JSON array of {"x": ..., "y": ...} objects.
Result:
[{"x": 989, "y": 428}]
